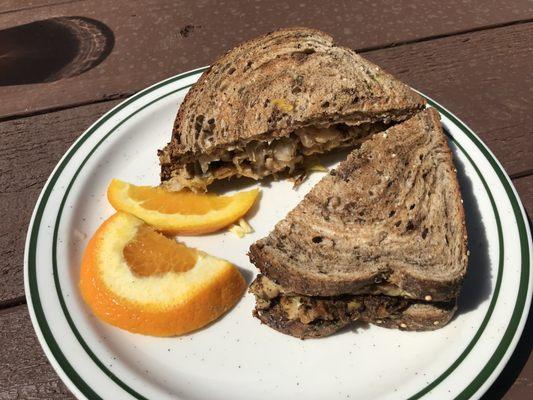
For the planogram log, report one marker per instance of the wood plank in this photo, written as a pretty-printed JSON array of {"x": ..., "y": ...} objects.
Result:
[
  {"x": 29, "y": 149},
  {"x": 26, "y": 373},
  {"x": 484, "y": 78},
  {"x": 155, "y": 39}
]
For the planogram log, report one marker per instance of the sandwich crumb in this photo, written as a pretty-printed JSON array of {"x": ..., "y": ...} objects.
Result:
[
  {"x": 237, "y": 230},
  {"x": 241, "y": 229},
  {"x": 245, "y": 226}
]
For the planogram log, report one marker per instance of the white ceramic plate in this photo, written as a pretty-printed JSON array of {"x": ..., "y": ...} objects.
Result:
[{"x": 236, "y": 357}]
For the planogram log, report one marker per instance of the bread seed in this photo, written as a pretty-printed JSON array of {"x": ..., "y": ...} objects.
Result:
[
  {"x": 379, "y": 321},
  {"x": 402, "y": 325},
  {"x": 435, "y": 322},
  {"x": 428, "y": 298}
]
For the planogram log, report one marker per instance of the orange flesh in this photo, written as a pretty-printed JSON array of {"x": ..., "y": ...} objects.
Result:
[
  {"x": 184, "y": 202},
  {"x": 151, "y": 253}
]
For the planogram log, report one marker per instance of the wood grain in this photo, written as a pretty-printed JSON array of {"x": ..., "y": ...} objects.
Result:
[
  {"x": 29, "y": 149},
  {"x": 484, "y": 78},
  {"x": 155, "y": 39},
  {"x": 26, "y": 373},
  {"x": 11, "y": 6}
]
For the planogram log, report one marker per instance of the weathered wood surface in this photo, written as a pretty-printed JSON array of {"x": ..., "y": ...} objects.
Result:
[
  {"x": 155, "y": 39},
  {"x": 485, "y": 78},
  {"x": 25, "y": 371},
  {"x": 29, "y": 149},
  {"x": 13, "y": 6}
]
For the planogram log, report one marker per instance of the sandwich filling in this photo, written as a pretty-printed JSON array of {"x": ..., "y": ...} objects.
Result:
[
  {"x": 312, "y": 309},
  {"x": 274, "y": 300},
  {"x": 259, "y": 158}
]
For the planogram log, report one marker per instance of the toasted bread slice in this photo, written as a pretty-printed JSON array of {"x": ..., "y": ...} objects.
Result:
[
  {"x": 267, "y": 104},
  {"x": 388, "y": 221},
  {"x": 310, "y": 317}
]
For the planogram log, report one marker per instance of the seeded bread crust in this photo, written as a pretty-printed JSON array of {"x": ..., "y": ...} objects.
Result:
[
  {"x": 392, "y": 212},
  {"x": 270, "y": 86},
  {"x": 420, "y": 317}
]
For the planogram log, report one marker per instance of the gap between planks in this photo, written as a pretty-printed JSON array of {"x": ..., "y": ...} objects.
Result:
[{"x": 444, "y": 35}]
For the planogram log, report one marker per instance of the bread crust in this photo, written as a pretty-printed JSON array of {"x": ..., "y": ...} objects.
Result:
[
  {"x": 275, "y": 319},
  {"x": 313, "y": 285},
  {"x": 417, "y": 317}
]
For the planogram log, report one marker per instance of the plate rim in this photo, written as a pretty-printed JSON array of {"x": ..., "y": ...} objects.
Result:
[{"x": 488, "y": 373}]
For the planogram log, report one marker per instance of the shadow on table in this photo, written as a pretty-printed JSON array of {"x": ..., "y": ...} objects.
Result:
[
  {"x": 52, "y": 49},
  {"x": 517, "y": 361}
]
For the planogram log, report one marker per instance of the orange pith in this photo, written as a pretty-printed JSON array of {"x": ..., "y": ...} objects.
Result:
[
  {"x": 151, "y": 253},
  {"x": 184, "y": 202}
]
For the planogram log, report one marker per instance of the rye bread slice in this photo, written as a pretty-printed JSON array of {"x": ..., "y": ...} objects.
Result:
[
  {"x": 390, "y": 214},
  {"x": 270, "y": 86}
]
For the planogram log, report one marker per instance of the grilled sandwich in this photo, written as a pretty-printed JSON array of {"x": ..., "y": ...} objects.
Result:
[{"x": 381, "y": 239}]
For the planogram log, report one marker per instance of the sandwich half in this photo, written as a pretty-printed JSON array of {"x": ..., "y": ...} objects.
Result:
[
  {"x": 269, "y": 103},
  {"x": 380, "y": 239}
]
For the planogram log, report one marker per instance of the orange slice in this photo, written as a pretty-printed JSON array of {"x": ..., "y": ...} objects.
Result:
[
  {"x": 179, "y": 212},
  {"x": 137, "y": 279}
]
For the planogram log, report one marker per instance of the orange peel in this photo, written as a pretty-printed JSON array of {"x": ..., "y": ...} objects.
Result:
[
  {"x": 183, "y": 212},
  {"x": 170, "y": 301}
]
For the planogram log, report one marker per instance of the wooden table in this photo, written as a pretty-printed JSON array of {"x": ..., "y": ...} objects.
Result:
[{"x": 474, "y": 57}]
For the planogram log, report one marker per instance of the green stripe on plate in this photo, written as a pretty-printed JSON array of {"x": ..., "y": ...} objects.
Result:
[
  {"x": 521, "y": 299},
  {"x": 89, "y": 393}
]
